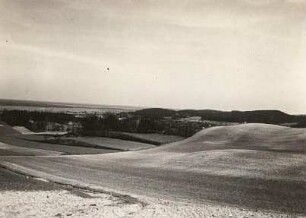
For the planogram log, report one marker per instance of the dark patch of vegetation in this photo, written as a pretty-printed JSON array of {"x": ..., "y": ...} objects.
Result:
[
  {"x": 156, "y": 113},
  {"x": 257, "y": 116},
  {"x": 154, "y": 120},
  {"x": 102, "y": 126},
  {"x": 27, "y": 118}
]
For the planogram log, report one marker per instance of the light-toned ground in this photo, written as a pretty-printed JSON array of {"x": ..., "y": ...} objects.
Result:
[
  {"x": 23, "y": 130},
  {"x": 63, "y": 203},
  {"x": 25, "y": 196}
]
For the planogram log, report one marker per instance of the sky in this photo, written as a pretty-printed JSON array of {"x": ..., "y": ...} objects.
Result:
[{"x": 201, "y": 54}]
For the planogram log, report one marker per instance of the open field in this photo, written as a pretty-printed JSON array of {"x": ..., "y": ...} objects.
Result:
[
  {"x": 252, "y": 166},
  {"x": 12, "y": 143},
  {"x": 12, "y": 150},
  {"x": 90, "y": 142},
  {"x": 64, "y": 149}
]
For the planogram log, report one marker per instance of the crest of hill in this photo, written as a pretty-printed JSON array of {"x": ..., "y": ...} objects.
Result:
[{"x": 254, "y": 136}]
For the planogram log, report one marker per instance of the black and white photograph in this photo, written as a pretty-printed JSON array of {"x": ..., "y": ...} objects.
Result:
[{"x": 153, "y": 108}]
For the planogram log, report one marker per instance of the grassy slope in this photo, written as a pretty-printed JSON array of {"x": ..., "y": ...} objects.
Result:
[{"x": 247, "y": 136}]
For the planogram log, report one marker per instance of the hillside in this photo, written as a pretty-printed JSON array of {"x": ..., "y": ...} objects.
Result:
[{"x": 253, "y": 136}]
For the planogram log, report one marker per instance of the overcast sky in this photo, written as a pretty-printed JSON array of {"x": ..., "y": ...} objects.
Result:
[{"x": 217, "y": 54}]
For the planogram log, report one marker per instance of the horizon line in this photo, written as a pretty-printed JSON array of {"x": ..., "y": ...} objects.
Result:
[{"x": 91, "y": 105}]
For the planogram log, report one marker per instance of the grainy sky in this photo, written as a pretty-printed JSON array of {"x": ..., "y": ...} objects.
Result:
[{"x": 218, "y": 54}]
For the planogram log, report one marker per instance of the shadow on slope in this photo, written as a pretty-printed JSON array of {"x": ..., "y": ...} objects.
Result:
[{"x": 7, "y": 130}]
